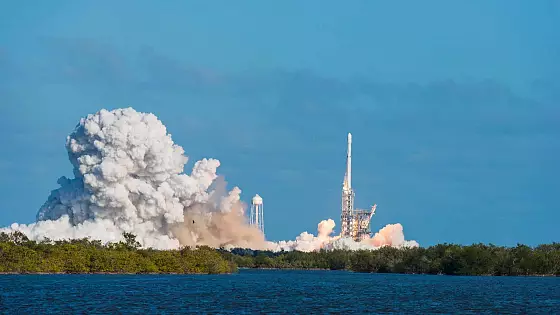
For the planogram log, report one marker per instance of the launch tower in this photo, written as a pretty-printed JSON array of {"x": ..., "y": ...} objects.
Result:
[
  {"x": 257, "y": 216},
  {"x": 354, "y": 222}
]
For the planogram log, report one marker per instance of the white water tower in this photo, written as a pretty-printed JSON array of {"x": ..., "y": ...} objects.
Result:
[{"x": 257, "y": 218}]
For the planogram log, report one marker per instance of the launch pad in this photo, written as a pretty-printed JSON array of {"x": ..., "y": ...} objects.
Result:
[{"x": 355, "y": 223}]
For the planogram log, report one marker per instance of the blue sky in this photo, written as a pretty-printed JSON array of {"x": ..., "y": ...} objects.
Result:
[{"x": 454, "y": 106}]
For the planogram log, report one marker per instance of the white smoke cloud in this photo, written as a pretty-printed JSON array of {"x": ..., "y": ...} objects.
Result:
[
  {"x": 390, "y": 235},
  {"x": 128, "y": 177}
]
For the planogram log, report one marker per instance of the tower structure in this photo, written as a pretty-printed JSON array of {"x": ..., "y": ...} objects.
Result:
[
  {"x": 257, "y": 216},
  {"x": 355, "y": 223}
]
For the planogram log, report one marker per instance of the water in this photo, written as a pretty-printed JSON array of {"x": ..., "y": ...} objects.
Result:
[{"x": 274, "y": 291}]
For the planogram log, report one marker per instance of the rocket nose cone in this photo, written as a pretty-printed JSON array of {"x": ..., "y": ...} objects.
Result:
[{"x": 349, "y": 137}]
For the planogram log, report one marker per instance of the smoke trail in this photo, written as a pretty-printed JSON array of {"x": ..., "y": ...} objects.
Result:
[{"x": 128, "y": 177}]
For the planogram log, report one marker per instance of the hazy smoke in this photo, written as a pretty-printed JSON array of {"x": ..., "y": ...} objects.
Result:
[{"x": 128, "y": 177}]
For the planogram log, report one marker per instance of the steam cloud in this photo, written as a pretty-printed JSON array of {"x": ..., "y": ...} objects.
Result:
[
  {"x": 390, "y": 235},
  {"x": 128, "y": 177}
]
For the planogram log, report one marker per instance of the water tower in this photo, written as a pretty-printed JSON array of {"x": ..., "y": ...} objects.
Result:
[{"x": 256, "y": 218}]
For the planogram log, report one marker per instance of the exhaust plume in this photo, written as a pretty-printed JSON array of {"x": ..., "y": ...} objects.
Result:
[
  {"x": 128, "y": 177},
  {"x": 390, "y": 235}
]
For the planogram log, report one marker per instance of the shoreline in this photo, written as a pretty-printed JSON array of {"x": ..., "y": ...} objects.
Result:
[
  {"x": 247, "y": 268},
  {"x": 110, "y": 273},
  {"x": 22, "y": 256},
  {"x": 398, "y": 273}
]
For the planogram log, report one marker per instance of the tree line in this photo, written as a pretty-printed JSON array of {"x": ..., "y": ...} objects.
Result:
[
  {"x": 18, "y": 254},
  {"x": 447, "y": 259}
]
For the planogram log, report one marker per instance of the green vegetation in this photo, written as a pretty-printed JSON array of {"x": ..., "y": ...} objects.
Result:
[
  {"x": 20, "y": 255},
  {"x": 448, "y": 259}
]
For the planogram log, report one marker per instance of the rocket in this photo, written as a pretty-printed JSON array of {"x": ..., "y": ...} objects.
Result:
[{"x": 348, "y": 176}]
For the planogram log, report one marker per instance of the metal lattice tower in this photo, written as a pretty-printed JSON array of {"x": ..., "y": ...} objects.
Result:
[
  {"x": 257, "y": 215},
  {"x": 354, "y": 223}
]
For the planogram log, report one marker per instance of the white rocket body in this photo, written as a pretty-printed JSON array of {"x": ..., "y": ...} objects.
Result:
[{"x": 349, "y": 163}]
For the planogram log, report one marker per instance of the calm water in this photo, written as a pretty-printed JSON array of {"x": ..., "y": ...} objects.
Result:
[{"x": 272, "y": 291}]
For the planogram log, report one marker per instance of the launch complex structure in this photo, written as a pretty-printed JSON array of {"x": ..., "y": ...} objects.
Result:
[{"x": 355, "y": 223}]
